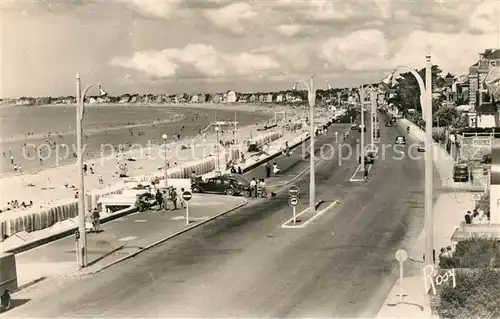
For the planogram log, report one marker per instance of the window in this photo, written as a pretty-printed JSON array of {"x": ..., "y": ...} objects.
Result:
[
  {"x": 211, "y": 181},
  {"x": 227, "y": 182},
  {"x": 218, "y": 181}
]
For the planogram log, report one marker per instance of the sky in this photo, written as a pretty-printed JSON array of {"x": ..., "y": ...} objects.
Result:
[{"x": 170, "y": 46}]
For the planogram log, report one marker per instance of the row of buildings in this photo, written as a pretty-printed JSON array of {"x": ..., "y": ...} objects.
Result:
[
  {"x": 290, "y": 96},
  {"x": 479, "y": 90}
]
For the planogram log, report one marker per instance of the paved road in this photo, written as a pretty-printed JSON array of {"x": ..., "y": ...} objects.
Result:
[{"x": 246, "y": 265}]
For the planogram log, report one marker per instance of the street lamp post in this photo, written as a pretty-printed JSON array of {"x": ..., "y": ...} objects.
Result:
[
  {"x": 312, "y": 174},
  {"x": 218, "y": 159},
  {"x": 164, "y": 138},
  {"x": 362, "y": 127},
  {"x": 426, "y": 104},
  {"x": 373, "y": 102},
  {"x": 80, "y": 98}
]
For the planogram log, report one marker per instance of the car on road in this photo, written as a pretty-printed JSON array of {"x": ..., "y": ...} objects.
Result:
[
  {"x": 388, "y": 124},
  {"x": 400, "y": 140},
  {"x": 421, "y": 147},
  {"x": 8, "y": 280},
  {"x": 354, "y": 126},
  {"x": 229, "y": 184},
  {"x": 461, "y": 173},
  {"x": 359, "y": 128}
]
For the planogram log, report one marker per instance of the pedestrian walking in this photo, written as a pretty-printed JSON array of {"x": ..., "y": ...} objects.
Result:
[
  {"x": 276, "y": 170},
  {"x": 366, "y": 175},
  {"x": 263, "y": 188},
  {"x": 96, "y": 220},
  {"x": 159, "y": 199},
  {"x": 268, "y": 170},
  {"x": 173, "y": 197},
  {"x": 253, "y": 187},
  {"x": 182, "y": 201}
]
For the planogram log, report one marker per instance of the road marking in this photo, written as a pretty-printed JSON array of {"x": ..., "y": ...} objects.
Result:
[
  {"x": 129, "y": 238},
  {"x": 352, "y": 179},
  {"x": 315, "y": 216},
  {"x": 140, "y": 220},
  {"x": 178, "y": 218}
]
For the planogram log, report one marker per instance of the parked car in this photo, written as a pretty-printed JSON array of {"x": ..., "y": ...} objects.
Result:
[
  {"x": 388, "y": 124},
  {"x": 230, "y": 184},
  {"x": 421, "y": 147},
  {"x": 354, "y": 126},
  {"x": 400, "y": 140},
  {"x": 8, "y": 280},
  {"x": 461, "y": 173}
]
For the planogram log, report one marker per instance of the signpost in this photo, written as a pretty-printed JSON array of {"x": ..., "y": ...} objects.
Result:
[
  {"x": 187, "y": 197},
  {"x": 293, "y": 191},
  {"x": 294, "y": 201},
  {"x": 77, "y": 248},
  {"x": 401, "y": 256}
]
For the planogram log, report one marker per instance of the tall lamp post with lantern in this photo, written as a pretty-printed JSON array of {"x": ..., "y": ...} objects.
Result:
[
  {"x": 312, "y": 174},
  {"x": 426, "y": 105},
  {"x": 164, "y": 138},
  {"x": 80, "y": 112},
  {"x": 218, "y": 155}
]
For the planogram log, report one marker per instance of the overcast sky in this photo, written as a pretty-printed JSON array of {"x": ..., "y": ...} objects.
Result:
[{"x": 171, "y": 46}]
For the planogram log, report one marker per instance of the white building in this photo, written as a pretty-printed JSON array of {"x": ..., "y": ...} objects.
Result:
[{"x": 231, "y": 97}]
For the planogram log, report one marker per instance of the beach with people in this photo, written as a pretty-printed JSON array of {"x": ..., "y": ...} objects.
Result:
[
  {"x": 40, "y": 145},
  {"x": 140, "y": 149}
]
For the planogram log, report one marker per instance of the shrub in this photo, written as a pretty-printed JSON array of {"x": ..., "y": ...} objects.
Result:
[
  {"x": 476, "y": 295},
  {"x": 475, "y": 253}
]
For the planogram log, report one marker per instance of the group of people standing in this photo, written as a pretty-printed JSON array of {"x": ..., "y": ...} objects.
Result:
[
  {"x": 168, "y": 198},
  {"x": 258, "y": 188}
]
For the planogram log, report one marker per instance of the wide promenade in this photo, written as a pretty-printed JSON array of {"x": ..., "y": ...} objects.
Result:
[{"x": 246, "y": 264}]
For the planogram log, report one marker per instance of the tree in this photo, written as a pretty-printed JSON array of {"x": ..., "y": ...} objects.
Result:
[
  {"x": 407, "y": 92},
  {"x": 446, "y": 116}
]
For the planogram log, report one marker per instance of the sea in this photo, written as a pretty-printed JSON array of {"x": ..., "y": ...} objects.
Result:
[{"x": 29, "y": 133}]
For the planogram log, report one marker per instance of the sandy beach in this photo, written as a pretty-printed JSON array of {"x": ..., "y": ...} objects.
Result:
[{"x": 184, "y": 120}]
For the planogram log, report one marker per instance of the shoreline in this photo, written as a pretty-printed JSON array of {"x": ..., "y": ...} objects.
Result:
[
  {"x": 98, "y": 155},
  {"x": 248, "y": 108}
]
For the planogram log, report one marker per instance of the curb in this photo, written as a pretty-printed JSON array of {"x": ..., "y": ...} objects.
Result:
[
  {"x": 30, "y": 283},
  {"x": 66, "y": 233},
  {"x": 166, "y": 239}
]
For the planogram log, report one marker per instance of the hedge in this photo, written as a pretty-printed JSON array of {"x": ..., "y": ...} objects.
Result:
[
  {"x": 474, "y": 253},
  {"x": 476, "y": 295}
]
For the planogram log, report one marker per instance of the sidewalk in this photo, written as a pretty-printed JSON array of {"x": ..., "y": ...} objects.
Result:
[
  {"x": 449, "y": 211},
  {"x": 118, "y": 239}
]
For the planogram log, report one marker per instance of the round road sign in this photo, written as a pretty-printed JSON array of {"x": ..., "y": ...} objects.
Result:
[
  {"x": 293, "y": 201},
  {"x": 293, "y": 190},
  {"x": 401, "y": 255},
  {"x": 476, "y": 196},
  {"x": 187, "y": 196}
]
